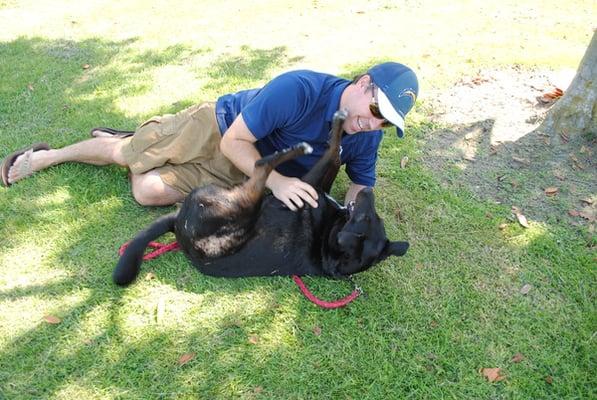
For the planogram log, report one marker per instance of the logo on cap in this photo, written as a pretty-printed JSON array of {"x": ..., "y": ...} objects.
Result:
[{"x": 410, "y": 93}]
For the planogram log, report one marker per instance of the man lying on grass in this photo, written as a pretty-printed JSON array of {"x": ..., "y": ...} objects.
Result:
[{"x": 219, "y": 142}]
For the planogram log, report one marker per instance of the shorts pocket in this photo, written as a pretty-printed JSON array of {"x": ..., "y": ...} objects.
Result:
[{"x": 155, "y": 119}]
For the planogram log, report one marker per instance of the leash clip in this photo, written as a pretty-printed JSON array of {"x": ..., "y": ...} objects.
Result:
[{"x": 357, "y": 288}]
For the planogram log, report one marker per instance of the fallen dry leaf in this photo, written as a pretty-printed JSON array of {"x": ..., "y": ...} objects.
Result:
[
  {"x": 549, "y": 379},
  {"x": 585, "y": 150},
  {"x": 587, "y": 214},
  {"x": 403, "y": 162},
  {"x": 573, "y": 213},
  {"x": 526, "y": 288},
  {"x": 576, "y": 164},
  {"x": 492, "y": 374},
  {"x": 185, "y": 358},
  {"x": 560, "y": 175},
  {"x": 503, "y": 226},
  {"x": 257, "y": 390},
  {"x": 317, "y": 331},
  {"x": 518, "y": 357},
  {"x": 86, "y": 66},
  {"x": 51, "y": 319},
  {"x": 551, "y": 191},
  {"x": 253, "y": 339},
  {"x": 149, "y": 276},
  {"x": 550, "y": 96},
  {"x": 522, "y": 220},
  {"x": 478, "y": 80},
  {"x": 521, "y": 160},
  {"x": 30, "y": 87}
]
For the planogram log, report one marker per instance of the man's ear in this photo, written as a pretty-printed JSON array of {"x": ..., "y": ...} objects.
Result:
[
  {"x": 364, "y": 82},
  {"x": 396, "y": 249}
]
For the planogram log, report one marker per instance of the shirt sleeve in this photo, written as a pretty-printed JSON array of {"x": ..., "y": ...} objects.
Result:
[{"x": 277, "y": 105}]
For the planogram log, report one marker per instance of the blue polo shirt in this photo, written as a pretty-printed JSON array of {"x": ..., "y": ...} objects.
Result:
[{"x": 295, "y": 107}]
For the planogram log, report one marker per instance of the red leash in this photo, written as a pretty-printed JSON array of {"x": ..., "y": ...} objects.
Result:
[
  {"x": 161, "y": 248},
  {"x": 326, "y": 304}
]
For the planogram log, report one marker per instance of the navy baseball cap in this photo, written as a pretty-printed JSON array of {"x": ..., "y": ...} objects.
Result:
[{"x": 398, "y": 91}]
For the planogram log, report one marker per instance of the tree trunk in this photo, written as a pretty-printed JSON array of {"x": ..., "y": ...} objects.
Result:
[{"x": 576, "y": 111}]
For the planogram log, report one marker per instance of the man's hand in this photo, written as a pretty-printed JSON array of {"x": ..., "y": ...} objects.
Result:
[
  {"x": 352, "y": 192},
  {"x": 238, "y": 146},
  {"x": 292, "y": 191}
]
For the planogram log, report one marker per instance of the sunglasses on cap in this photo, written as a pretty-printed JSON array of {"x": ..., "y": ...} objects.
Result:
[{"x": 374, "y": 108}]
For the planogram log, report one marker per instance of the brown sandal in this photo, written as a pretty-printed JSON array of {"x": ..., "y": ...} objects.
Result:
[
  {"x": 112, "y": 132},
  {"x": 25, "y": 167}
]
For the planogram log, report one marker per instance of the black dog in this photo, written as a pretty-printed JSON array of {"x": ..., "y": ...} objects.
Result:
[{"x": 238, "y": 232}]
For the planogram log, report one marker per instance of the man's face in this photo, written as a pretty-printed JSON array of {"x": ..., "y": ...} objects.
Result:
[{"x": 361, "y": 118}]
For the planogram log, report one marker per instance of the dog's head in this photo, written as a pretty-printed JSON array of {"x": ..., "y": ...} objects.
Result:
[{"x": 362, "y": 241}]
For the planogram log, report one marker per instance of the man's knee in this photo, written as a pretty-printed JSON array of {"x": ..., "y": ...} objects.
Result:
[
  {"x": 118, "y": 152},
  {"x": 149, "y": 190},
  {"x": 143, "y": 196}
]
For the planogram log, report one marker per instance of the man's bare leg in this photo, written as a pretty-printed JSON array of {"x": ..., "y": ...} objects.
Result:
[
  {"x": 148, "y": 189},
  {"x": 96, "y": 151}
]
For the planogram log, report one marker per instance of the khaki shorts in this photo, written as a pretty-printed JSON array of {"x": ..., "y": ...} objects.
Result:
[{"x": 184, "y": 149}]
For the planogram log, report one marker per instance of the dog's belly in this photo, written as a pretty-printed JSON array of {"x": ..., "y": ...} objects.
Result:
[{"x": 283, "y": 242}]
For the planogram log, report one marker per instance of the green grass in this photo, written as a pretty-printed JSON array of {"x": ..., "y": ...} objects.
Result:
[{"x": 429, "y": 321}]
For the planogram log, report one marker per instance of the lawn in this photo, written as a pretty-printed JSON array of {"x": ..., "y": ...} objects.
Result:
[{"x": 475, "y": 289}]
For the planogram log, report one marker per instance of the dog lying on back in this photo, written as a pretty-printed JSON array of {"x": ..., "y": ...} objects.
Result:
[{"x": 240, "y": 232}]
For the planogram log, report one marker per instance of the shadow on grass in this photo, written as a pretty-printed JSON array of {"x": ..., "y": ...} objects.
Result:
[
  {"x": 516, "y": 173},
  {"x": 74, "y": 217}
]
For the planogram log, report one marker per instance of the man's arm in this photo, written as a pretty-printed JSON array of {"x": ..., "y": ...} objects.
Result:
[
  {"x": 352, "y": 191},
  {"x": 238, "y": 145}
]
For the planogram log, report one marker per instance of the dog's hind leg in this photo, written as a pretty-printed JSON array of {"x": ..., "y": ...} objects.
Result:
[{"x": 323, "y": 173}]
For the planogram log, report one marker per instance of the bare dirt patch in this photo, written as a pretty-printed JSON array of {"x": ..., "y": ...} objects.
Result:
[{"x": 489, "y": 143}]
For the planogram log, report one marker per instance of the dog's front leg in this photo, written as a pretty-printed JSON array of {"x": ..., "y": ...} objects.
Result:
[{"x": 323, "y": 173}]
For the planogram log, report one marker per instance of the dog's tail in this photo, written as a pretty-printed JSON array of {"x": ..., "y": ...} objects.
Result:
[{"x": 129, "y": 264}]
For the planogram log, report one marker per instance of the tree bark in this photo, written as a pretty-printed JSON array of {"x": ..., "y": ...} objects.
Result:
[{"x": 576, "y": 111}]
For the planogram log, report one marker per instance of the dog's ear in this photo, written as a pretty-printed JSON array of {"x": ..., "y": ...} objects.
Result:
[{"x": 395, "y": 249}]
